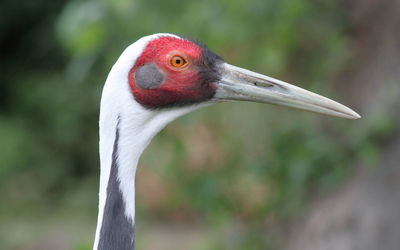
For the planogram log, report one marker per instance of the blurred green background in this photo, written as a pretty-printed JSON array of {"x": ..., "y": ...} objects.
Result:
[{"x": 231, "y": 176}]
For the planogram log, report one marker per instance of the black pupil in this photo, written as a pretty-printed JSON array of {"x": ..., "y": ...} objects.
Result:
[{"x": 178, "y": 61}]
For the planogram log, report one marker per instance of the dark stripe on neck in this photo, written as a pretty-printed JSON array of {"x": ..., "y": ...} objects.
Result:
[{"x": 117, "y": 231}]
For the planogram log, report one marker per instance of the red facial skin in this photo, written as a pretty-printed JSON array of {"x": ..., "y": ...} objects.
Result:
[{"x": 180, "y": 86}]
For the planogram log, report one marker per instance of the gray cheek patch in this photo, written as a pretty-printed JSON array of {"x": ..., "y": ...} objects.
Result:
[{"x": 148, "y": 77}]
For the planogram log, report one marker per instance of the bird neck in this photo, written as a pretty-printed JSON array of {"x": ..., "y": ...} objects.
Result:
[
  {"x": 115, "y": 225},
  {"x": 121, "y": 144},
  {"x": 125, "y": 131}
]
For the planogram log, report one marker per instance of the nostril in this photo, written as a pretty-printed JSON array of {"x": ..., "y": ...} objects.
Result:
[{"x": 263, "y": 84}]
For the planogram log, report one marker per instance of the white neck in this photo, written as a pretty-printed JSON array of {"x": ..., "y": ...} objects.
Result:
[{"x": 136, "y": 127}]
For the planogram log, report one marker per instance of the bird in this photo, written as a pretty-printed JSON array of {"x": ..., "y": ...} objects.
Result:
[{"x": 157, "y": 79}]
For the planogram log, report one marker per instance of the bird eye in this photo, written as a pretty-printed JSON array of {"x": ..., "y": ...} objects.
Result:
[{"x": 178, "y": 61}]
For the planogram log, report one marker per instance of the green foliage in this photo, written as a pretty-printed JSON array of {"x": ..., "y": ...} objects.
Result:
[{"x": 246, "y": 163}]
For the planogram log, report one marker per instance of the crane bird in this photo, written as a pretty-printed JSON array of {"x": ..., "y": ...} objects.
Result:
[{"x": 157, "y": 79}]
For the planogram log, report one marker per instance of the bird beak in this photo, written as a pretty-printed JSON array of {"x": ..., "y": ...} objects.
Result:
[{"x": 244, "y": 85}]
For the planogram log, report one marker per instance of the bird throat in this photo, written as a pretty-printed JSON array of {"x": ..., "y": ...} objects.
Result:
[{"x": 117, "y": 230}]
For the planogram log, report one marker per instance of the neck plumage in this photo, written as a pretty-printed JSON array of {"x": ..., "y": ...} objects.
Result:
[
  {"x": 126, "y": 128},
  {"x": 121, "y": 144},
  {"x": 116, "y": 218},
  {"x": 116, "y": 227}
]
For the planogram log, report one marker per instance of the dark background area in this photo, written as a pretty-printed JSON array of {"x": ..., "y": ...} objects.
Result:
[{"x": 232, "y": 176}]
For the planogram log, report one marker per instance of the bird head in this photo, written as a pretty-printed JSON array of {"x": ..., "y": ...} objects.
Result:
[
  {"x": 167, "y": 71},
  {"x": 172, "y": 71},
  {"x": 162, "y": 76}
]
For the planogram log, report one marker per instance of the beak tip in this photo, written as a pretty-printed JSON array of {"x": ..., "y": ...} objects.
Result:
[{"x": 354, "y": 115}]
